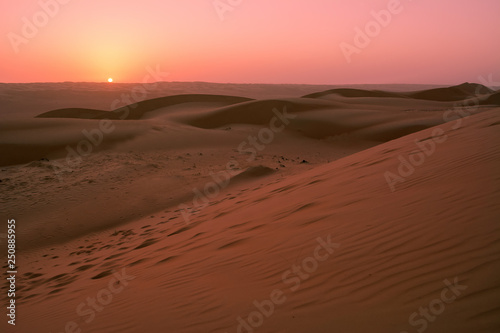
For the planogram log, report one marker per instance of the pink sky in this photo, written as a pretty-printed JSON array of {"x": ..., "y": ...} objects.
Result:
[{"x": 259, "y": 41}]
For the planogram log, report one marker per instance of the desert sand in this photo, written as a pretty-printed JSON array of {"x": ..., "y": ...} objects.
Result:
[{"x": 203, "y": 207}]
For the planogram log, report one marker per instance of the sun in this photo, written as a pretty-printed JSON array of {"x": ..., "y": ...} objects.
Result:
[{"x": 110, "y": 80}]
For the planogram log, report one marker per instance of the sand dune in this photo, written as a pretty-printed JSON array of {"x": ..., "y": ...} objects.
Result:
[
  {"x": 137, "y": 110},
  {"x": 390, "y": 260},
  {"x": 78, "y": 113},
  {"x": 30, "y": 99},
  {"x": 175, "y": 132},
  {"x": 216, "y": 111},
  {"x": 354, "y": 93},
  {"x": 256, "y": 112},
  {"x": 455, "y": 93},
  {"x": 321, "y": 120},
  {"x": 22, "y": 141},
  {"x": 207, "y": 201}
]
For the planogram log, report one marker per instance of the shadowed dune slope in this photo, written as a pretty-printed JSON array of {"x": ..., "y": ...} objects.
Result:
[
  {"x": 78, "y": 113},
  {"x": 455, "y": 93},
  {"x": 26, "y": 140},
  {"x": 252, "y": 173},
  {"x": 137, "y": 110},
  {"x": 319, "y": 119},
  {"x": 256, "y": 112},
  {"x": 449, "y": 94},
  {"x": 493, "y": 99},
  {"x": 348, "y": 92}
]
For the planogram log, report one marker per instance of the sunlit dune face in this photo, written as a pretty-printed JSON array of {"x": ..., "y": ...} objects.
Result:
[{"x": 110, "y": 80}]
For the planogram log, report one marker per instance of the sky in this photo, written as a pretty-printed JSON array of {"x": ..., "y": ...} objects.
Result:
[{"x": 250, "y": 41}]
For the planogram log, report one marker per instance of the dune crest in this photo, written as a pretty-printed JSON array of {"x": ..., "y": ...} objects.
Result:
[
  {"x": 454, "y": 93},
  {"x": 137, "y": 110}
]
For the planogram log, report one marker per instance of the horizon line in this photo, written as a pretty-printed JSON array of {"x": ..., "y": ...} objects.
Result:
[{"x": 242, "y": 83}]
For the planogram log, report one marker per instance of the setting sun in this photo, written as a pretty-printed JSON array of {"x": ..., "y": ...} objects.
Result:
[{"x": 110, "y": 80}]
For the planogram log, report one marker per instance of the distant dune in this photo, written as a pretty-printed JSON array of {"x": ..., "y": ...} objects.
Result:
[
  {"x": 257, "y": 112},
  {"x": 369, "y": 115},
  {"x": 137, "y": 110},
  {"x": 455, "y": 93},
  {"x": 78, "y": 113},
  {"x": 354, "y": 93}
]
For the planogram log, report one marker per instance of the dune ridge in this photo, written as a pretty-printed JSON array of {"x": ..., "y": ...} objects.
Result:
[
  {"x": 137, "y": 110},
  {"x": 454, "y": 93}
]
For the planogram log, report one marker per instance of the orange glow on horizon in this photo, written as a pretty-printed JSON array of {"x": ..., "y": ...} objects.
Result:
[{"x": 194, "y": 42}]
